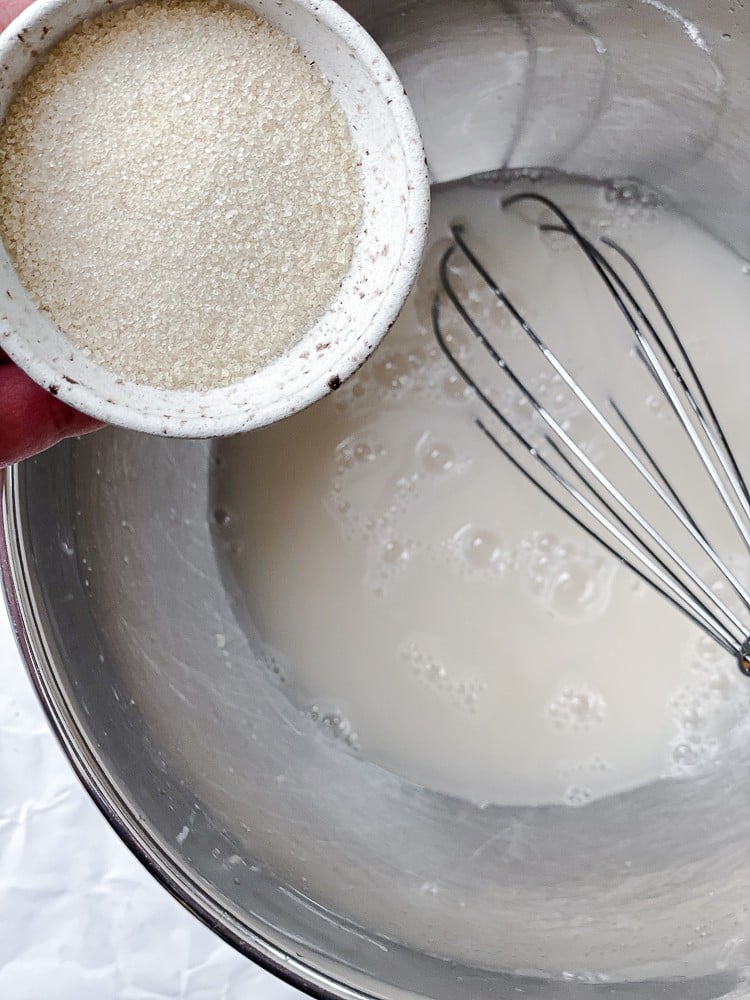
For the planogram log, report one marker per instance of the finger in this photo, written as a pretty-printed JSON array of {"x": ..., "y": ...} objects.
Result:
[
  {"x": 31, "y": 419},
  {"x": 10, "y": 9}
]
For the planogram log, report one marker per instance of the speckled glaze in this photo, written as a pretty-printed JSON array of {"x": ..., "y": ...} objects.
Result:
[{"x": 384, "y": 266}]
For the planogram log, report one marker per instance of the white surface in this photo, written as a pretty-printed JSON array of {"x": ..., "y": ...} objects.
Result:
[{"x": 80, "y": 919}]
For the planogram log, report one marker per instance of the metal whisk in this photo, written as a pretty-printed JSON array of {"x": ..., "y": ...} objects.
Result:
[{"x": 577, "y": 485}]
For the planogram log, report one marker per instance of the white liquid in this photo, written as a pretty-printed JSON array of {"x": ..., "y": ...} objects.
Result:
[{"x": 433, "y": 610}]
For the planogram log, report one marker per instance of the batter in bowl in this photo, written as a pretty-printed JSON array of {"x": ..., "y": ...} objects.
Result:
[{"x": 430, "y": 609}]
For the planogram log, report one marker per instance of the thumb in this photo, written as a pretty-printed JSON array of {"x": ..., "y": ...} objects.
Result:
[
  {"x": 32, "y": 419},
  {"x": 10, "y": 9}
]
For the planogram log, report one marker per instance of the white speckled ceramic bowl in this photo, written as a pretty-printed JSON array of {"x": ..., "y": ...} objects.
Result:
[{"x": 385, "y": 263}]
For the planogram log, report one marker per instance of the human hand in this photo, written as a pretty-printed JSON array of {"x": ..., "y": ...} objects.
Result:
[{"x": 31, "y": 420}]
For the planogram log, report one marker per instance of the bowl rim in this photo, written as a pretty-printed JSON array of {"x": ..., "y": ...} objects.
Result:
[
  {"x": 327, "y": 374},
  {"x": 285, "y": 963}
]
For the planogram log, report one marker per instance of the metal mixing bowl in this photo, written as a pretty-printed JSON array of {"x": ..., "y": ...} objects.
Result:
[{"x": 310, "y": 861}]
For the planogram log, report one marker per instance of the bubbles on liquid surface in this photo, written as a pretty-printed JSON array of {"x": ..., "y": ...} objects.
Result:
[
  {"x": 380, "y": 482},
  {"x": 457, "y": 336},
  {"x": 436, "y": 457},
  {"x": 576, "y": 707},
  {"x": 480, "y": 551},
  {"x": 571, "y": 581},
  {"x": 713, "y": 701},
  {"x": 578, "y": 795},
  {"x": 393, "y": 371},
  {"x": 596, "y": 764},
  {"x": 574, "y": 589},
  {"x": 354, "y": 453},
  {"x": 360, "y": 453},
  {"x": 483, "y": 549},
  {"x": 274, "y": 666},
  {"x": 465, "y": 694},
  {"x": 626, "y": 192},
  {"x": 689, "y": 755},
  {"x": 334, "y": 724},
  {"x": 396, "y": 554},
  {"x": 455, "y": 388}
]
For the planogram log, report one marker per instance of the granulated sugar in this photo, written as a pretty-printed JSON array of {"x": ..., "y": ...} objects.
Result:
[{"x": 180, "y": 192}]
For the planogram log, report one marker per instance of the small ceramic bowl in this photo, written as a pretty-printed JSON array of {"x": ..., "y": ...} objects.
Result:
[{"x": 384, "y": 266}]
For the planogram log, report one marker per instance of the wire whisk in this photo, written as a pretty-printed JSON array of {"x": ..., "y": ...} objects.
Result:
[{"x": 663, "y": 557}]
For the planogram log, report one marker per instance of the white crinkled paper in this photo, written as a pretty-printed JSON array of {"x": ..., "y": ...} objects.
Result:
[{"x": 80, "y": 919}]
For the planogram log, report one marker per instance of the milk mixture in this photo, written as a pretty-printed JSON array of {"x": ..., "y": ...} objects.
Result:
[{"x": 431, "y": 610}]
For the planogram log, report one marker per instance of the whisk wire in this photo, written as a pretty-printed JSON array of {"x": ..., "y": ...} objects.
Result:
[
  {"x": 667, "y": 587},
  {"x": 612, "y": 281},
  {"x": 653, "y": 558},
  {"x": 561, "y": 434},
  {"x": 709, "y": 425},
  {"x": 656, "y": 563},
  {"x": 655, "y": 467},
  {"x": 714, "y": 435},
  {"x": 691, "y": 605},
  {"x": 709, "y": 421}
]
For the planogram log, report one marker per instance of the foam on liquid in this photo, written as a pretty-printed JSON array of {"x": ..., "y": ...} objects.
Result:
[{"x": 434, "y": 612}]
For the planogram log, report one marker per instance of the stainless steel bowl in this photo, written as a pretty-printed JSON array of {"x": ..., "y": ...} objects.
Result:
[{"x": 310, "y": 861}]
